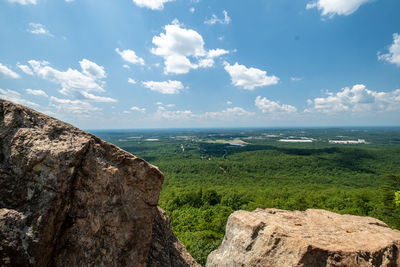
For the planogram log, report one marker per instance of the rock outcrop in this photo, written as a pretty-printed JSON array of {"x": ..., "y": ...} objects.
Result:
[
  {"x": 68, "y": 198},
  {"x": 166, "y": 250},
  {"x": 274, "y": 237}
]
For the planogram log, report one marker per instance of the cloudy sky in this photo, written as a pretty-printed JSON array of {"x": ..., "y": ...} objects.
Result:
[{"x": 203, "y": 63}]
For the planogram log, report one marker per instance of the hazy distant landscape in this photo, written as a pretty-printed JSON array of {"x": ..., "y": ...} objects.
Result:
[{"x": 209, "y": 173}]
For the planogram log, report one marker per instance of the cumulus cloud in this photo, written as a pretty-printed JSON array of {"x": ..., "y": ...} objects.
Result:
[
  {"x": 192, "y": 10},
  {"x": 92, "y": 69},
  {"x": 72, "y": 106},
  {"x": 141, "y": 110},
  {"x": 214, "y": 19},
  {"x": 25, "y": 69},
  {"x": 331, "y": 8},
  {"x": 36, "y": 92},
  {"x": 268, "y": 106},
  {"x": 249, "y": 78},
  {"x": 7, "y": 73},
  {"x": 357, "y": 99},
  {"x": 217, "y": 52},
  {"x": 152, "y": 4},
  {"x": 394, "y": 51},
  {"x": 37, "y": 28},
  {"x": 132, "y": 81},
  {"x": 73, "y": 82},
  {"x": 15, "y": 97},
  {"x": 178, "y": 44},
  {"x": 166, "y": 87},
  {"x": 24, "y": 2},
  {"x": 130, "y": 56}
]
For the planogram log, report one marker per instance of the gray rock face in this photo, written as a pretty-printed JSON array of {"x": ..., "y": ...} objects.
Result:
[
  {"x": 68, "y": 198},
  {"x": 166, "y": 250},
  {"x": 274, "y": 237}
]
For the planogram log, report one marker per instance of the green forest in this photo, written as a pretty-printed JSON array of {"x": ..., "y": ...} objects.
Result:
[{"x": 210, "y": 173}]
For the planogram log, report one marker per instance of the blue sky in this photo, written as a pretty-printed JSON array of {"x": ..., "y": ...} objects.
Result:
[{"x": 203, "y": 63}]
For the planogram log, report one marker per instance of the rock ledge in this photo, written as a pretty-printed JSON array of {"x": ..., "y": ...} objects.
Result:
[{"x": 275, "y": 237}]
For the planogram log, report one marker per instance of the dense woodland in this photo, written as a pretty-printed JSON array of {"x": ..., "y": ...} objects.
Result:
[{"x": 206, "y": 178}]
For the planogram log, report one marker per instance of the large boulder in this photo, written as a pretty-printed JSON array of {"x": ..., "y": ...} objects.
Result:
[
  {"x": 274, "y": 237},
  {"x": 68, "y": 198}
]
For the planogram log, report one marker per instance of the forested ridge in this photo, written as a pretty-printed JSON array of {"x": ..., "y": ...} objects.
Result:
[{"x": 206, "y": 179}]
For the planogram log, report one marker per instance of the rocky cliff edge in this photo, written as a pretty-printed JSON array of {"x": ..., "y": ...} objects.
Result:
[{"x": 68, "y": 198}]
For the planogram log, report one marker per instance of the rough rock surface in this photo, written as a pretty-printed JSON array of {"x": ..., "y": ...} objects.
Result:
[
  {"x": 274, "y": 237},
  {"x": 166, "y": 250},
  {"x": 68, "y": 198}
]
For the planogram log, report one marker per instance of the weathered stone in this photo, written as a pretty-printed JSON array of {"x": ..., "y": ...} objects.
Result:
[
  {"x": 166, "y": 250},
  {"x": 274, "y": 237},
  {"x": 68, "y": 198}
]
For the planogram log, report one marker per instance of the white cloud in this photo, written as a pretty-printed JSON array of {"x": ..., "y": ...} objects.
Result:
[
  {"x": 37, "y": 28},
  {"x": 96, "y": 98},
  {"x": 209, "y": 62},
  {"x": 92, "y": 69},
  {"x": 141, "y": 110},
  {"x": 192, "y": 10},
  {"x": 175, "y": 114},
  {"x": 167, "y": 87},
  {"x": 24, "y": 2},
  {"x": 394, "y": 51},
  {"x": 206, "y": 63},
  {"x": 178, "y": 44},
  {"x": 217, "y": 52},
  {"x": 25, "y": 69},
  {"x": 69, "y": 1},
  {"x": 229, "y": 114},
  {"x": 132, "y": 81},
  {"x": 214, "y": 19},
  {"x": 357, "y": 99},
  {"x": 229, "y": 102},
  {"x": 130, "y": 56},
  {"x": 7, "y": 73},
  {"x": 15, "y": 97},
  {"x": 268, "y": 106},
  {"x": 331, "y": 8},
  {"x": 36, "y": 92},
  {"x": 73, "y": 82},
  {"x": 152, "y": 4},
  {"x": 72, "y": 106},
  {"x": 125, "y": 66},
  {"x": 249, "y": 78}
]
